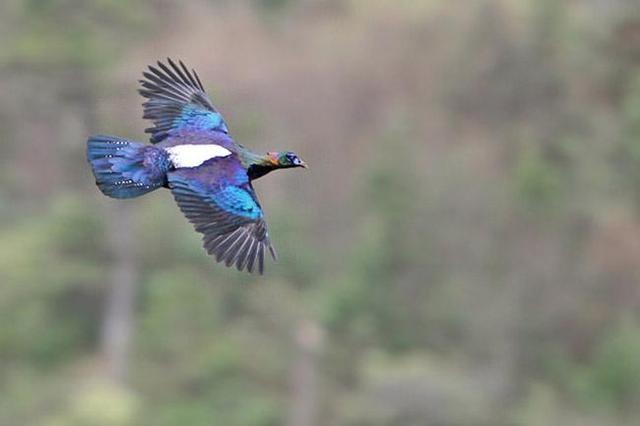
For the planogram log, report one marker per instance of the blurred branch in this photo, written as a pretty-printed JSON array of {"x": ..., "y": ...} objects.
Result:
[
  {"x": 304, "y": 398},
  {"x": 118, "y": 316}
]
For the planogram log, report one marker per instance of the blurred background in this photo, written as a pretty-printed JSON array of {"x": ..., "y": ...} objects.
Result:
[{"x": 464, "y": 249}]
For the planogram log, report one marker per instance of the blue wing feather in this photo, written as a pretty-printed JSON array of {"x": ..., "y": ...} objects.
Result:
[
  {"x": 236, "y": 200},
  {"x": 193, "y": 117}
]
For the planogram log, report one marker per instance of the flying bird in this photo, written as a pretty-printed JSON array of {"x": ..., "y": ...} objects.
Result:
[{"x": 192, "y": 154}]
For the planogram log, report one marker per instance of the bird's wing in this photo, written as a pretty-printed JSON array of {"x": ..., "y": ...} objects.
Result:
[
  {"x": 176, "y": 101},
  {"x": 219, "y": 201}
]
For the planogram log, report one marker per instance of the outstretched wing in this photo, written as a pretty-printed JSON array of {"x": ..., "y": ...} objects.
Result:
[
  {"x": 219, "y": 201},
  {"x": 177, "y": 101}
]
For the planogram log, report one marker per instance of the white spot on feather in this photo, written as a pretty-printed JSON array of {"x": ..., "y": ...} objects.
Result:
[{"x": 194, "y": 155}]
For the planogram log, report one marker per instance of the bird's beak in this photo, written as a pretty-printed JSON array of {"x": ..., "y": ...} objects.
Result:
[{"x": 303, "y": 164}]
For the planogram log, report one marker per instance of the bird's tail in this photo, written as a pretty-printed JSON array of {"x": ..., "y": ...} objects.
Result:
[{"x": 124, "y": 168}]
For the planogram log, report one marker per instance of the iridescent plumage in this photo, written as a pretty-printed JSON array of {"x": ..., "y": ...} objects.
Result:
[{"x": 193, "y": 155}]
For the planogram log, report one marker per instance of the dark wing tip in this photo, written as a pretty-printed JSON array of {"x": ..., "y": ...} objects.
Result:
[
  {"x": 272, "y": 250},
  {"x": 239, "y": 248}
]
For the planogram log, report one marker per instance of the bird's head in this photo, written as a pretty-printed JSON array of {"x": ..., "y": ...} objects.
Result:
[{"x": 285, "y": 159}]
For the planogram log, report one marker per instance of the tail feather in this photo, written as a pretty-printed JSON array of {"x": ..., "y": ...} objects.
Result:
[{"x": 124, "y": 168}]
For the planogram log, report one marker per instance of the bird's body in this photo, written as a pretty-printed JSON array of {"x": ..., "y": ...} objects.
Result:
[{"x": 192, "y": 154}]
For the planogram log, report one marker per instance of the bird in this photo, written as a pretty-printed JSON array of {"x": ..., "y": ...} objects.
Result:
[{"x": 192, "y": 154}]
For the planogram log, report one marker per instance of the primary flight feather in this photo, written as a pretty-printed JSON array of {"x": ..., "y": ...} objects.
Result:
[{"x": 208, "y": 173}]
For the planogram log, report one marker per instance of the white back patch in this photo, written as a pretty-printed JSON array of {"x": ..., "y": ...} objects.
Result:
[{"x": 194, "y": 155}]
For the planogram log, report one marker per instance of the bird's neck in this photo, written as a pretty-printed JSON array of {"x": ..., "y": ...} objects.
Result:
[
  {"x": 257, "y": 165},
  {"x": 256, "y": 171}
]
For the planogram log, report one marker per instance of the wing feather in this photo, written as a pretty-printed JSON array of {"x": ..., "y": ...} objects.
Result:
[
  {"x": 176, "y": 101},
  {"x": 219, "y": 201}
]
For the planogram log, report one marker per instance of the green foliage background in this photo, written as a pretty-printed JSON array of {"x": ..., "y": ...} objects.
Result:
[{"x": 464, "y": 250}]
